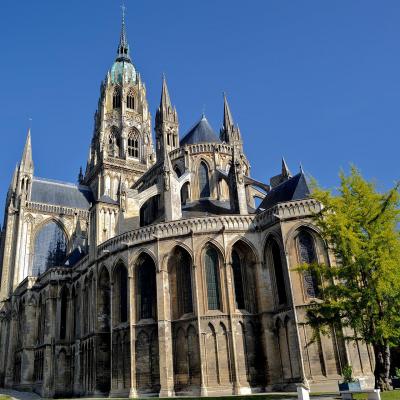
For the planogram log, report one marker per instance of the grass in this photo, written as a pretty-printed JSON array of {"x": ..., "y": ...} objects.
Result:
[
  {"x": 2, "y": 397},
  {"x": 392, "y": 395}
]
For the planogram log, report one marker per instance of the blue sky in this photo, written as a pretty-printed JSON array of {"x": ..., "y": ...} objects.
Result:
[{"x": 315, "y": 81}]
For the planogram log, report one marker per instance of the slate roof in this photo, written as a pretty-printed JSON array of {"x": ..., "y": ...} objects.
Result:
[
  {"x": 295, "y": 188},
  {"x": 202, "y": 132},
  {"x": 76, "y": 255},
  {"x": 64, "y": 194}
]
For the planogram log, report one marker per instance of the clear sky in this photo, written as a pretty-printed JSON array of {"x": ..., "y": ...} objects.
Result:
[{"x": 315, "y": 81}]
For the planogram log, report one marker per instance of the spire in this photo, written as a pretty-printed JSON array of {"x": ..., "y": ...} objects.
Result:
[
  {"x": 80, "y": 176},
  {"x": 285, "y": 169},
  {"x": 229, "y": 132},
  {"x": 27, "y": 162},
  {"x": 165, "y": 101},
  {"x": 228, "y": 120},
  {"x": 165, "y": 111},
  {"x": 123, "y": 47}
]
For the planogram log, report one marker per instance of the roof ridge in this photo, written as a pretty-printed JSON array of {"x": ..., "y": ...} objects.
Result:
[{"x": 60, "y": 183}]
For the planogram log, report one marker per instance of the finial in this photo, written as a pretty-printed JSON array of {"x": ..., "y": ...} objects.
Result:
[
  {"x": 123, "y": 47},
  {"x": 301, "y": 168}
]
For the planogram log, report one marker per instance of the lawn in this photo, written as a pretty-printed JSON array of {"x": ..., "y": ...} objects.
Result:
[{"x": 393, "y": 395}]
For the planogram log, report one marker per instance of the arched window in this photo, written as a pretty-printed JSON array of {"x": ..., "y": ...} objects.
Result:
[
  {"x": 117, "y": 98},
  {"x": 204, "y": 182},
  {"x": 278, "y": 270},
  {"x": 212, "y": 270},
  {"x": 50, "y": 248},
  {"x": 177, "y": 171},
  {"x": 150, "y": 211},
  {"x": 184, "y": 282},
  {"x": 133, "y": 144},
  {"x": 147, "y": 288},
  {"x": 238, "y": 280},
  {"x": 184, "y": 193},
  {"x": 307, "y": 255},
  {"x": 121, "y": 280},
  {"x": 63, "y": 313},
  {"x": 130, "y": 101}
]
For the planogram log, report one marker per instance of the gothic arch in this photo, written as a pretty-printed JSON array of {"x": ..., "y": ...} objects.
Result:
[
  {"x": 294, "y": 231},
  {"x": 246, "y": 242},
  {"x": 180, "y": 272},
  {"x": 213, "y": 280},
  {"x": 209, "y": 241},
  {"x": 120, "y": 292},
  {"x": 138, "y": 253},
  {"x": 146, "y": 287},
  {"x": 244, "y": 275},
  {"x": 275, "y": 260},
  {"x": 134, "y": 143},
  {"x": 59, "y": 253},
  {"x": 121, "y": 259}
]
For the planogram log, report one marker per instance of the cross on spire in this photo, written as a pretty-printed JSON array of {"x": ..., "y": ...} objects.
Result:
[{"x": 123, "y": 47}]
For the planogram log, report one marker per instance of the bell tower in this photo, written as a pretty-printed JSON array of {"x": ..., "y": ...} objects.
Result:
[{"x": 121, "y": 147}]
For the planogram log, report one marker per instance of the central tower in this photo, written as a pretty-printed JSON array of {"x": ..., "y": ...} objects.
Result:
[{"x": 121, "y": 149}]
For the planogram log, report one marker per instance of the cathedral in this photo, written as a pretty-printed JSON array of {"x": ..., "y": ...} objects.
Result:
[{"x": 166, "y": 270}]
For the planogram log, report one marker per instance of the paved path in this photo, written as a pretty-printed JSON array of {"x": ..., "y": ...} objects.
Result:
[
  {"x": 20, "y": 395},
  {"x": 33, "y": 396}
]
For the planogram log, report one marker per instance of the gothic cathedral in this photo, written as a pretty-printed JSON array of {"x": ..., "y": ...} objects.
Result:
[{"x": 159, "y": 272}]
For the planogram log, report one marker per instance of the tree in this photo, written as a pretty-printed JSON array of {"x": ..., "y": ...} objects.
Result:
[{"x": 361, "y": 290}]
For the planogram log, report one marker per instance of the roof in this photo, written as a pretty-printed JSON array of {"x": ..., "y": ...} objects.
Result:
[
  {"x": 108, "y": 200},
  {"x": 202, "y": 132},
  {"x": 76, "y": 255},
  {"x": 295, "y": 188},
  {"x": 63, "y": 194}
]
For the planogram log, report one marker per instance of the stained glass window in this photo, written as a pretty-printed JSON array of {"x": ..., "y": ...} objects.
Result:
[
  {"x": 122, "y": 284},
  {"x": 130, "y": 101},
  {"x": 308, "y": 256},
  {"x": 133, "y": 145},
  {"x": 117, "y": 99},
  {"x": 213, "y": 292},
  {"x": 184, "y": 282},
  {"x": 278, "y": 269},
  {"x": 238, "y": 280},
  {"x": 63, "y": 315},
  {"x": 50, "y": 248},
  {"x": 147, "y": 289},
  {"x": 204, "y": 183}
]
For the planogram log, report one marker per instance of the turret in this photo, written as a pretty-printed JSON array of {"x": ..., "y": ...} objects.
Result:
[
  {"x": 230, "y": 133},
  {"x": 25, "y": 171},
  {"x": 167, "y": 125}
]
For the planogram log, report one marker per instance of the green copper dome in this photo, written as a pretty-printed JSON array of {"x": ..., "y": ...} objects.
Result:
[{"x": 122, "y": 69}]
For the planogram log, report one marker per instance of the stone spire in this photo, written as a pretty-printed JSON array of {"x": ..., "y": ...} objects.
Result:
[
  {"x": 123, "y": 46},
  {"x": 229, "y": 132},
  {"x": 26, "y": 161},
  {"x": 165, "y": 111},
  {"x": 167, "y": 125},
  {"x": 285, "y": 169}
]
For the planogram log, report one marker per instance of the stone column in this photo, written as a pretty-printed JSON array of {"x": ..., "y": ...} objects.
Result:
[
  {"x": 238, "y": 388},
  {"x": 200, "y": 335},
  {"x": 9, "y": 373},
  {"x": 165, "y": 335},
  {"x": 132, "y": 323},
  {"x": 28, "y": 357},
  {"x": 48, "y": 388}
]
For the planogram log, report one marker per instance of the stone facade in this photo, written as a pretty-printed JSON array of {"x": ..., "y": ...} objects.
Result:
[{"x": 157, "y": 274}]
